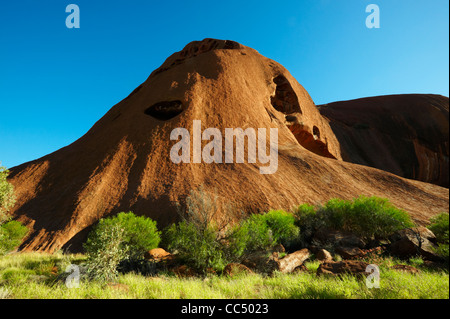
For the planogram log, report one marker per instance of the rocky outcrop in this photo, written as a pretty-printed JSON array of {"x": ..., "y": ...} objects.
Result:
[{"x": 407, "y": 135}]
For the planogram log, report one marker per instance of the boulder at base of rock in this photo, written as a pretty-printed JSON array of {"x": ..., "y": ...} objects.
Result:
[
  {"x": 420, "y": 231},
  {"x": 291, "y": 261},
  {"x": 350, "y": 252},
  {"x": 411, "y": 243},
  {"x": 343, "y": 267},
  {"x": 262, "y": 262},
  {"x": 233, "y": 269},
  {"x": 157, "y": 254},
  {"x": 323, "y": 255}
]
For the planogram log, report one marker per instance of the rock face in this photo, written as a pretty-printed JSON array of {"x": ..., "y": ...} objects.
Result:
[
  {"x": 123, "y": 162},
  {"x": 406, "y": 134}
]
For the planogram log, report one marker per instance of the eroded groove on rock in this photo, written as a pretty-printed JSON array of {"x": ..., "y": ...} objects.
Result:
[
  {"x": 165, "y": 110},
  {"x": 310, "y": 141}
]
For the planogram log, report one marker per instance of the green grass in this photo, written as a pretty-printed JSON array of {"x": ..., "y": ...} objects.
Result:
[{"x": 29, "y": 275}]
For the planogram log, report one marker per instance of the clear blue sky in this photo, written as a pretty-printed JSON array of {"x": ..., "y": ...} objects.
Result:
[{"x": 55, "y": 82}]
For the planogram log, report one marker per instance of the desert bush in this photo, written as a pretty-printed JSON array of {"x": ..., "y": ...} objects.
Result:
[
  {"x": 11, "y": 232},
  {"x": 11, "y": 235},
  {"x": 140, "y": 233},
  {"x": 198, "y": 238},
  {"x": 7, "y": 197},
  {"x": 105, "y": 249},
  {"x": 367, "y": 217},
  {"x": 119, "y": 239},
  {"x": 249, "y": 235},
  {"x": 197, "y": 247},
  {"x": 307, "y": 219},
  {"x": 372, "y": 217},
  {"x": 261, "y": 232},
  {"x": 439, "y": 225}
]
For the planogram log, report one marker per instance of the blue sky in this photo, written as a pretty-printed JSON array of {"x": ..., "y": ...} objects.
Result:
[{"x": 55, "y": 82}]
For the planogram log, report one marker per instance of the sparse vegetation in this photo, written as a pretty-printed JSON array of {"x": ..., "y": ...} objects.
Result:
[
  {"x": 203, "y": 242},
  {"x": 198, "y": 238}
]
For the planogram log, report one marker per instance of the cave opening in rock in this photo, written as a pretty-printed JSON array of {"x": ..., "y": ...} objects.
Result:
[
  {"x": 165, "y": 110},
  {"x": 316, "y": 132},
  {"x": 285, "y": 100}
]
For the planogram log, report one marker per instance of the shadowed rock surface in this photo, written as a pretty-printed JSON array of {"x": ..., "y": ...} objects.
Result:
[{"x": 403, "y": 134}]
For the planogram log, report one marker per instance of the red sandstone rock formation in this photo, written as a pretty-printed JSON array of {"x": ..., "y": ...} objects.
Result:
[{"x": 123, "y": 162}]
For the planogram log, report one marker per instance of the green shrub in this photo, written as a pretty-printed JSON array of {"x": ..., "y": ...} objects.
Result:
[
  {"x": 198, "y": 247},
  {"x": 11, "y": 235},
  {"x": 308, "y": 221},
  {"x": 250, "y": 235},
  {"x": 199, "y": 238},
  {"x": 282, "y": 226},
  {"x": 124, "y": 237},
  {"x": 440, "y": 227},
  {"x": 367, "y": 217},
  {"x": 375, "y": 217},
  {"x": 140, "y": 233},
  {"x": 261, "y": 232},
  {"x": 105, "y": 249},
  {"x": 7, "y": 197},
  {"x": 11, "y": 232}
]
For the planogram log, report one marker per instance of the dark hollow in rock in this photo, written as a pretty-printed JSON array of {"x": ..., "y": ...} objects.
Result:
[
  {"x": 165, "y": 110},
  {"x": 316, "y": 132},
  {"x": 285, "y": 100}
]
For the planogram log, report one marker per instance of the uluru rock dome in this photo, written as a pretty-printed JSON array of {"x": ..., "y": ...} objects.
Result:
[{"x": 123, "y": 162}]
